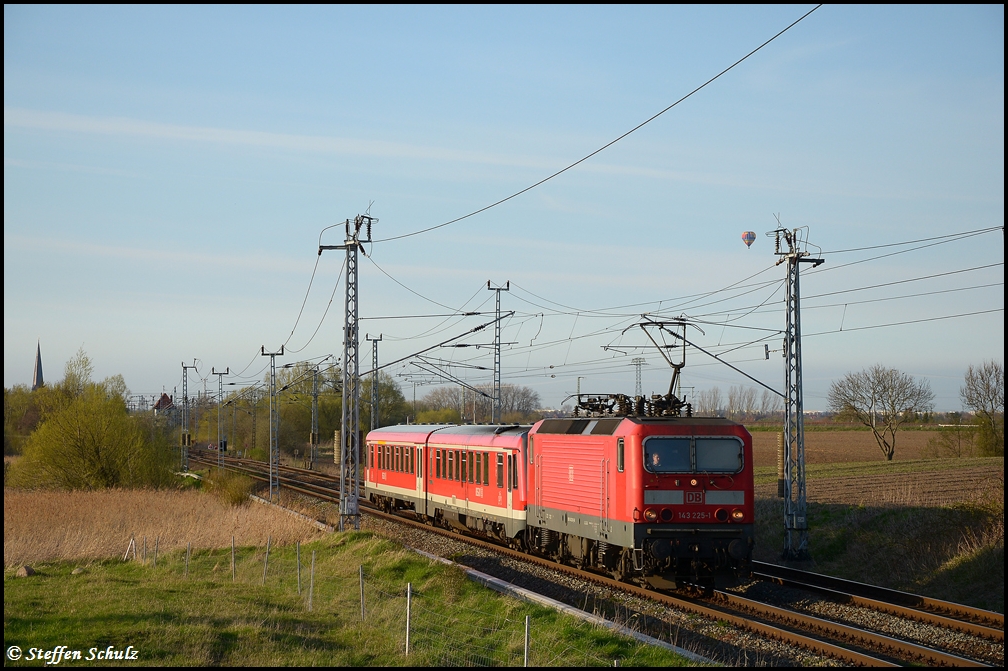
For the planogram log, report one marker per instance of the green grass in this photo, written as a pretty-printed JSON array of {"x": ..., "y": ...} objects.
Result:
[
  {"x": 955, "y": 553},
  {"x": 203, "y": 618}
]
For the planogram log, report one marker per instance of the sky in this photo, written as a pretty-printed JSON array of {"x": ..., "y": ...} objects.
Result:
[{"x": 170, "y": 172}]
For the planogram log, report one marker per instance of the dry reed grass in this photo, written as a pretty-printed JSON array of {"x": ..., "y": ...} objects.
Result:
[{"x": 42, "y": 526}]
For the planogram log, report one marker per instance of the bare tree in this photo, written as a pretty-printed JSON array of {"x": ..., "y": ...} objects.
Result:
[
  {"x": 709, "y": 402},
  {"x": 882, "y": 399},
  {"x": 983, "y": 393},
  {"x": 770, "y": 404},
  {"x": 749, "y": 402},
  {"x": 515, "y": 399}
]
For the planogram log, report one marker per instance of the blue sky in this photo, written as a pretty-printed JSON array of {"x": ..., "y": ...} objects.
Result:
[{"x": 168, "y": 171}]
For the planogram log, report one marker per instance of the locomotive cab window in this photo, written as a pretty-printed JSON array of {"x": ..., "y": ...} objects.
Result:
[
  {"x": 668, "y": 455},
  {"x": 710, "y": 454},
  {"x": 718, "y": 455},
  {"x": 619, "y": 455}
]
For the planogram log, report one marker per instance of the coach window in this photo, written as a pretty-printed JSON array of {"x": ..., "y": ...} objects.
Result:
[
  {"x": 500, "y": 470},
  {"x": 486, "y": 469},
  {"x": 472, "y": 467},
  {"x": 437, "y": 463},
  {"x": 619, "y": 454},
  {"x": 479, "y": 465},
  {"x": 419, "y": 462},
  {"x": 510, "y": 471},
  {"x": 718, "y": 455}
]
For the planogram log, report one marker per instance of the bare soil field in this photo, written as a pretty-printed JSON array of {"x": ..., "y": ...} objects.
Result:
[
  {"x": 937, "y": 483},
  {"x": 830, "y": 447},
  {"x": 41, "y": 526}
]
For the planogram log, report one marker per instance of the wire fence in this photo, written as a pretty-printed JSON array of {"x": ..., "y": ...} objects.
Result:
[{"x": 427, "y": 629}]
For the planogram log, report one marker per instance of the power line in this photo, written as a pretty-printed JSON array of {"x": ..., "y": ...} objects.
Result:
[
  {"x": 329, "y": 305},
  {"x": 605, "y": 146},
  {"x": 902, "y": 251},
  {"x": 911, "y": 242},
  {"x": 912, "y": 321}
]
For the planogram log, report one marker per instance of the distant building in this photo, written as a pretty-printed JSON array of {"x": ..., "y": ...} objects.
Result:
[
  {"x": 164, "y": 403},
  {"x": 37, "y": 380}
]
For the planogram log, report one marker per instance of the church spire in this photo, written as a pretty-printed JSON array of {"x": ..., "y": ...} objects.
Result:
[{"x": 37, "y": 381}]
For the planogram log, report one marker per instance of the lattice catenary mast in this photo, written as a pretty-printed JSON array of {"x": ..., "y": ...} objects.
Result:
[
  {"x": 186, "y": 439},
  {"x": 495, "y": 412},
  {"x": 274, "y": 450},
  {"x": 795, "y": 519},
  {"x": 221, "y": 444},
  {"x": 349, "y": 438}
]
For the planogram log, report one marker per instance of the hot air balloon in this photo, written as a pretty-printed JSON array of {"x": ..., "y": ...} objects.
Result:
[{"x": 748, "y": 238}]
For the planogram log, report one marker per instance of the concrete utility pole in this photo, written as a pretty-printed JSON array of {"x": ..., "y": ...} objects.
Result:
[
  {"x": 495, "y": 413},
  {"x": 795, "y": 519},
  {"x": 374, "y": 378},
  {"x": 349, "y": 452},
  {"x": 274, "y": 452},
  {"x": 186, "y": 439},
  {"x": 220, "y": 400}
]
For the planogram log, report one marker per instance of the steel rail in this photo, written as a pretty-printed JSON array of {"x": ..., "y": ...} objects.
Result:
[
  {"x": 886, "y": 645},
  {"x": 982, "y": 622}
]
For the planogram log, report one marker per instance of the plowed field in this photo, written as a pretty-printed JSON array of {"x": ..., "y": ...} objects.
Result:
[
  {"x": 937, "y": 484},
  {"x": 832, "y": 447}
]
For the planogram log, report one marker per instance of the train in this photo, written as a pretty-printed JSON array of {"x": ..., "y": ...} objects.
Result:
[{"x": 665, "y": 501}]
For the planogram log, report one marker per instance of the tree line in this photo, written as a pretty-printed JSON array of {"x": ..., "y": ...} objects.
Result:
[{"x": 80, "y": 434}]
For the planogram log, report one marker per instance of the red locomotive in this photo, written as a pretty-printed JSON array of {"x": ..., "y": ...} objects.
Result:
[{"x": 666, "y": 500}]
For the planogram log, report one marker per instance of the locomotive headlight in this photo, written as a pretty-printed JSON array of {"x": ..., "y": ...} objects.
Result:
[
  {"x": 693, "y": 482},
  {"x": 737, "y": 515},
  {"x": 650, "y": 515}
]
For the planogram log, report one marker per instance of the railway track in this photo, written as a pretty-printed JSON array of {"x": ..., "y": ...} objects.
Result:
[{"x": 838, "y": 640}]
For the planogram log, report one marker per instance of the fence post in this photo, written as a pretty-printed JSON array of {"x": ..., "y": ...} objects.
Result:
[
  {"x": 526, "y": 639},
  {"x": 362, "y": 593},
  {"x": 145, "y": 552},
  {"x": 188, "y": 549},
  {"x": 409, "y": 600},
  {"x": 299, "y": 565},
  {"x": 311, "y": 581},
  {"x": 157, "y": 539},
  {"x": 266, "y": 561},
  {"x": 232, "y": 559}
]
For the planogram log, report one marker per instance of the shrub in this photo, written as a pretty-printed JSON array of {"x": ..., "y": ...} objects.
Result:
[{"x": 230, "y": 487}]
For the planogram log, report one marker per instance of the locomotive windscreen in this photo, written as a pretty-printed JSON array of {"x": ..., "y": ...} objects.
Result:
[{"x": 667, "y": 454}]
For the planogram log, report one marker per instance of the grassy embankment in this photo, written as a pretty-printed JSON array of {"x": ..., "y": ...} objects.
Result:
[
  {"x": 200, "y": 617},
  {"x": 929, "y": 526}
]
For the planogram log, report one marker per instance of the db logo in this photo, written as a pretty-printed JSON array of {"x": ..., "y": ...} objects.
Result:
[{"x": 694, "y": 497}]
